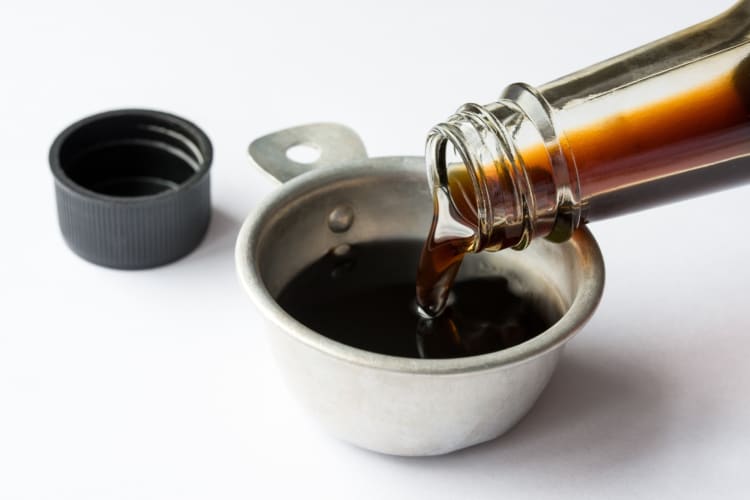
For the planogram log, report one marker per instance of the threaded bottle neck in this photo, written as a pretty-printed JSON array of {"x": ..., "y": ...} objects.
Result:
[{"x": 501, "y": 172}]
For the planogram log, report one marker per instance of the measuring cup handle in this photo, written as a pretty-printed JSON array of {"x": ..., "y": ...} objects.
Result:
[{"x": 336, "y": 144}]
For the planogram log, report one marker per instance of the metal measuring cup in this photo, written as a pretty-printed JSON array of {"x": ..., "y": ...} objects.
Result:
[{"x": 391, "y": 404}]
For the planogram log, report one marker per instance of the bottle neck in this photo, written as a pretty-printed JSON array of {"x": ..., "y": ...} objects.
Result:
[
  {"x": 502, "y": 172},
  {"x": 663, "y": 122}
]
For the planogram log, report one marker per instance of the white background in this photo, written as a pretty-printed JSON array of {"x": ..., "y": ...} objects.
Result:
[{"x": 158, "y": 384}]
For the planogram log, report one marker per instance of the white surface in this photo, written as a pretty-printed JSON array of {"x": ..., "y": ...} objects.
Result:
[{"x": 158, "y": 384}]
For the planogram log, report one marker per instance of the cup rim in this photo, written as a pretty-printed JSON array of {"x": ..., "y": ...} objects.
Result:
[{"x": 581, "y": 309}]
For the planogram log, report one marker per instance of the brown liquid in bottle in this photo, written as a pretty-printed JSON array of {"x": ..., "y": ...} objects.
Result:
[{"x": 694, "y": 142}]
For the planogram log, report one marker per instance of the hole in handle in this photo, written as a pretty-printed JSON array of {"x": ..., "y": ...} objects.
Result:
[{"x": 303, "y": 153}]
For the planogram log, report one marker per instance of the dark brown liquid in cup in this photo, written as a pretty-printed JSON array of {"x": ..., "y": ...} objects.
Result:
[{"x": 364, "y": 297}]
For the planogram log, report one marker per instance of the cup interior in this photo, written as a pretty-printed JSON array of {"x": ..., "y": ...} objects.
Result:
[{"x": 390, "y": 201}]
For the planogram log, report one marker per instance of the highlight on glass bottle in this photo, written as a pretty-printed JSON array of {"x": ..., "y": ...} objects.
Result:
[{"x": 663, "y": 122}]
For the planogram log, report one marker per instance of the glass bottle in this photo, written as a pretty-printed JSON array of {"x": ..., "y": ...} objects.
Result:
[{"x": 663, "y": 122}]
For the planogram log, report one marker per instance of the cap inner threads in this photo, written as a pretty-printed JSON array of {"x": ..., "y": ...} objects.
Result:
[{"x": 130, "y": 156}]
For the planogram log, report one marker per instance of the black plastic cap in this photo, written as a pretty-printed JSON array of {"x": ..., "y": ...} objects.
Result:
[{"x": 132, "y": 187}]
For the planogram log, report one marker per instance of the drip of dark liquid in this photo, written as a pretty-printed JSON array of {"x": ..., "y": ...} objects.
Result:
[
  {"x": 363, "y": 296},
  {"x": 450, "y": 238}
]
